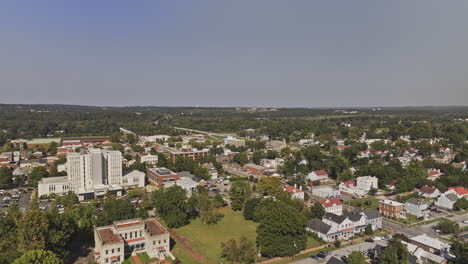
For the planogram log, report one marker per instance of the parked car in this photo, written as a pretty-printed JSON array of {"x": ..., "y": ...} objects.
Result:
[
  {"x": 42, "y": 208},
  {"x": 465, "y": 222}
]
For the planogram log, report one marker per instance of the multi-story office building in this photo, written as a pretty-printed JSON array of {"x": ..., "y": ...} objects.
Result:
[{"x": 90, "y": 175}]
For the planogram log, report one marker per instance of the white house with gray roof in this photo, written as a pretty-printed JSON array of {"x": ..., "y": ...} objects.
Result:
[
  {"x": 335, "y": 227},
  {"x": 446, "y": 201},
  {"x": 417, "y": 207}
]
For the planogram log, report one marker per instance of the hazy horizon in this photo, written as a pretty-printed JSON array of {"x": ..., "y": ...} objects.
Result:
[{"x": 265, "y": 53}]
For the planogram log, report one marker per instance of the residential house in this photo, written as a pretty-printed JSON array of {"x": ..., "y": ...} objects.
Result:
[
  {"x": 271, "y": 163},
  {"x": 366, "y": 183},
  {"x": 334, "y": 227},
  {"x": 429, "y": 192},
  {"x": 325, "y": 192},
  {"x": 332, "y": 205},
  {"x": 373, "y": 218},
  {"x": 347, "y": 187},
  {"x": 295, "y": 192},
  {"x": 434, "y": 174},
  {"x": 417, "y": 207},
  {"x": 446, "y": 201},
  {"x": 318, "y": 175},
  {"x": 460, "y": 192},
  {"x": 391, "y": 209}
]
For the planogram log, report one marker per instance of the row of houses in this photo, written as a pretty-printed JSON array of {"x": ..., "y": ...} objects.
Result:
[{"x": 335, "y": 227}]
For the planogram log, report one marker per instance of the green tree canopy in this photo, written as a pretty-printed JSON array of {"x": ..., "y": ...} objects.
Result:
[
  {"x": 239, "y": 192},
  {"x": 281, "y": 231},
  {"x": 38, "y": 257},
  {"x": 356, "y": 257}
]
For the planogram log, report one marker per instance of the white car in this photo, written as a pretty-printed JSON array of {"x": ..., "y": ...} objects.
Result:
[{"x": 465, "y": 222}]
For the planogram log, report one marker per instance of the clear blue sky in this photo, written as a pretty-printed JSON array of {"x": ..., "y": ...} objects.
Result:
[{"x": 235, "y": 53}]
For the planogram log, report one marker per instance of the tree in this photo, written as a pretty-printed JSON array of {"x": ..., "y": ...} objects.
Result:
[
  {"x": 9, "y": 235},
  {"x": 356, "y": 257},
  {"x": 337, "y": 243},
  {"x": 241, "y": 159},
  {"x": 211, "y": 216},
  {"x": 249, "y": 208},
  {"x": 395, "y": 253},
  {"x": 37, "y": 174},
  {"x": 369, "y": 230},
  {"x": 202, "y": 173},
  {"x": 171, "y": 204},
  {"x": 317, "y": 210},
  {"x": 461, "y": 204},
  {"x": 281, "y": 231},
  {"x": 269, "y": 186},
  {"x": 239, "y": 193},
  {"x": 53, "y": 148},
  {"x": 372, "y": 191},
  {"x": 38, "y": 257},
  {"x": 59, "y": 233},
  {"x": 218, "y": 201},
  {"x": 257, "y": 156},
  {"x": 115, "y": 137},
  {"x": 448, "y": 227},
  {"x": 6, "y": 178},
  {"x": 460, "y": 250},
  {"x": 32, "y": 231},
  {"x": 238, "y": 251},
  {"x": 115, "y": 210}
]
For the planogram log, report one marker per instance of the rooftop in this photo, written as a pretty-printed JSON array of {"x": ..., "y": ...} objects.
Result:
[{"x": 108, "y": 236}]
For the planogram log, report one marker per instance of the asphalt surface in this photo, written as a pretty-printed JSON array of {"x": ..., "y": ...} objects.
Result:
[
  {"x": 428, "y": 229},
  {"x": 345, "y": 251}
]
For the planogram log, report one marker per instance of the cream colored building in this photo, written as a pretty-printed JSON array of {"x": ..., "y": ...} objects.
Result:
[{"x": 114, "y": 243}]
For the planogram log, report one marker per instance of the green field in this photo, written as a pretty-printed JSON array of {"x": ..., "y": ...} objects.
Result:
[
  {"x": 206, "y": 239},
  {"x": 365, "y": 203}
]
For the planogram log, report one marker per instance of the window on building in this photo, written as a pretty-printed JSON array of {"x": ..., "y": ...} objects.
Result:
[
  {"x": 118, "y": 250},
  {"x": 112, "y": 251},
  {"x": 107, "y": 251},
  {"x": 107, "y": 260}
]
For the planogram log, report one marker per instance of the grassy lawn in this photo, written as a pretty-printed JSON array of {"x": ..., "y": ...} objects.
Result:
[
  {"x": 206, "y": 239},
  {"x": 145, "y": 258},
  {"x": 311, "y": 242},
  {"x": 365, "y": 203}
]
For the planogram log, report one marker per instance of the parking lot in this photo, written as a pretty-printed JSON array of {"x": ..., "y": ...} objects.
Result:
[
  {"x": 345, "y": 251},
  {"x": 19, "y": 196}
]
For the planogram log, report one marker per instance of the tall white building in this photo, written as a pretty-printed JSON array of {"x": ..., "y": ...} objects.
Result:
[{"x": 89, "y": 175}]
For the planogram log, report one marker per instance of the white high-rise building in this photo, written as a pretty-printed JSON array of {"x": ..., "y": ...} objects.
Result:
[{"x": 91, "y": 174}]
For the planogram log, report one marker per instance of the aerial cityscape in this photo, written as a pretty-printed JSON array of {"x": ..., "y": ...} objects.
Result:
[{"x": 204, "y": 132}]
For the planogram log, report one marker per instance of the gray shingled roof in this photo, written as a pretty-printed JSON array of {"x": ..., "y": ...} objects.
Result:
[
  {"x": 335, "y": 218},
  {"x": 417, "y": 201},
  {"x": 317, "y": 225},
  {"x": 335, "y": 260},
  {"x": 452, "y": 197},
  {"x": 372, "y": 214}
]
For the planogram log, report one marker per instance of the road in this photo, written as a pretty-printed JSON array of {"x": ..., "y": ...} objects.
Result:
[
  {"x": 210, "y": 134},
  {"x": 422, "y": 229},
  {"x": 345, "y": 251}
]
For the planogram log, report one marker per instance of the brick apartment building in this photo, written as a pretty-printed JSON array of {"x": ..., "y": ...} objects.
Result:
[{"x": 391, "y": 209}]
